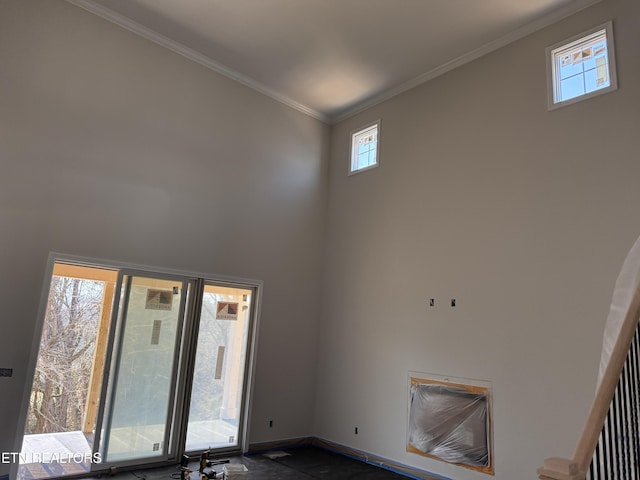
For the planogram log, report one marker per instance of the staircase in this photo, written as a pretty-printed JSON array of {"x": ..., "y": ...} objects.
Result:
[{"x": 609, "y": 446}]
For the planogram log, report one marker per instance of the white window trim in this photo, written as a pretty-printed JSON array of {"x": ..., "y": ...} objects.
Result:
[
  {"x": 551, "y": 67},
  {"x": 355, "y": 132}
]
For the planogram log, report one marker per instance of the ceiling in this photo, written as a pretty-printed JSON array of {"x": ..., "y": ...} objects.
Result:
[{"x": 333, "y": 58}]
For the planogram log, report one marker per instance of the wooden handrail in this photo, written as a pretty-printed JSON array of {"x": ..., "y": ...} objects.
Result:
[{"x": 577, "y": 467}]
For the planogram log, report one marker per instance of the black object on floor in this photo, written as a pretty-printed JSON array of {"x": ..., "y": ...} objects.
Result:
[{"x": 312, "y": 463}]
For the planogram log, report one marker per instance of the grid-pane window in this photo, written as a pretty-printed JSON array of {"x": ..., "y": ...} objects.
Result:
[
  {"x": 582, "y": 67},
  {"x": 364, "y": 148}
]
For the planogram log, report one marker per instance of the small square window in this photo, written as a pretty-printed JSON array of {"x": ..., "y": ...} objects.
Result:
[
  {"x": 581, "y": 67},
  {"x": 365, "y": 148}
]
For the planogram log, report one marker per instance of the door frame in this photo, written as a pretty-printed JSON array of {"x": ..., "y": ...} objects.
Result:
[
  {"x": 250, "y": 367},
  {"x": 247, "y": 379}
]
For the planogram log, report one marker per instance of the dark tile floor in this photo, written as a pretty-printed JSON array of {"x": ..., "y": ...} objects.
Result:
[
  {"x": 302, "y": 463},
  {"x": 311, "y": 462}
]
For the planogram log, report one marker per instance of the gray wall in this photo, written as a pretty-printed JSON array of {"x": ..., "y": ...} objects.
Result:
[
  {"x": 116, "y": 148},
  {"x": 521, "y": 214},
  {"x": 113, "y": 147}
]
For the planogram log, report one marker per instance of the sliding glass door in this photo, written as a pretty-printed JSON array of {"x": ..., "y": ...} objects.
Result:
[
  {"x": 137, "y": 367},
  {"x": 140, "y": 399},
  {"x": 178, "y": 369},
  {"x": 219, "y": 372}
]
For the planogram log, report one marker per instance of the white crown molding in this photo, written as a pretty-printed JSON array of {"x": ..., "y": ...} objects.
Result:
[
  {"x": 207, "y": 62},
  {"x": 511, "y": 37},
  {"x": 194, "y": 55}
]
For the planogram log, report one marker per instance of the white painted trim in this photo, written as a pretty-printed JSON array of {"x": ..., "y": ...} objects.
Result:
[
  {"x": 194, "y": 56},
  {"x": 129, "y": 266},
  {"x": 552, "y": 81},
  {"x": 207, "y": 62},
  {"x": 31, "y": 365},
  {"x": 358, "y": 131},
  {"x": 503, "y": 41}
]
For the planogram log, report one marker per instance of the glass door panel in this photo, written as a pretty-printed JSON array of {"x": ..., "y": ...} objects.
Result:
[
  {"x": 140, "y": 408},
  {"x": 218, "y": 383}
]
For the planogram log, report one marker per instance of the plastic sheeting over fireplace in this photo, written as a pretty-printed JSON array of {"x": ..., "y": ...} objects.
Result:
[{"x": 450, "y": 421}]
